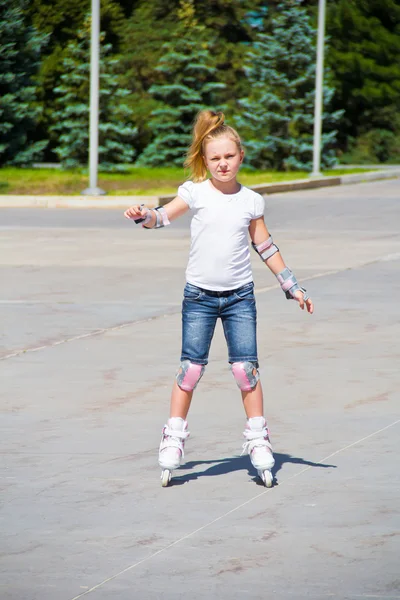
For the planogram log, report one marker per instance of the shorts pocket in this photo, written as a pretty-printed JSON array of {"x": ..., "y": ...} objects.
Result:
[
  {"x": 246, "y": 292},
  {"x": 191, "y": 292}
]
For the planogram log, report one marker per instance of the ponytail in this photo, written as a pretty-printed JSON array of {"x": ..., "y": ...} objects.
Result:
[{"x": 208, "y": 125}]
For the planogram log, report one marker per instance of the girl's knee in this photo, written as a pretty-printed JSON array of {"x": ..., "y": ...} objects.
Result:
[
  {"x": 246, "y": 375},
  {"x": 189, "y": 375}
]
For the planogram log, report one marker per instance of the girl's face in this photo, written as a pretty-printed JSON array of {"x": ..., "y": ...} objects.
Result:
[{"x": 223, "y": 158}]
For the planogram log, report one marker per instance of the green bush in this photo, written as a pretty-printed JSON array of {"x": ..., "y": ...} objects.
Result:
[{"x": 375, "y": 146}]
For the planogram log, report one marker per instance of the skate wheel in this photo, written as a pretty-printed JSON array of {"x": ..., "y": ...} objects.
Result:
[
  {"x": 165, "y": 477},
  {"x": 267, "y": 478}
]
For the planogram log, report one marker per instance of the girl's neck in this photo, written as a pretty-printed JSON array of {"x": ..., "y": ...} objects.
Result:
[{"x": 228, "y": 187}]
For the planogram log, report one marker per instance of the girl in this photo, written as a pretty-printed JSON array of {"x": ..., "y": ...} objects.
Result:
[{"x": 219, "y": 284}]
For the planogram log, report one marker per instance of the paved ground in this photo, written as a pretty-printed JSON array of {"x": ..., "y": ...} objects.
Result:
[{"x": 90, "y": 335}]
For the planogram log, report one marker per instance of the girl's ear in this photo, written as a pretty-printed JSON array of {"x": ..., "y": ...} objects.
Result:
[{"x": 241, "y": 156}]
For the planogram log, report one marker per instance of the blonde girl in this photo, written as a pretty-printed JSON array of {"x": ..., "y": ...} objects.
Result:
[{"x": 219, "y": 284}]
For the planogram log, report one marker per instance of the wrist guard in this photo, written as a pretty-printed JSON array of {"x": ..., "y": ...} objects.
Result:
[
  {"x": 161, "y": 218},
  {"x": 289, "y": 284},
  {"x": 266, "y": 249}
]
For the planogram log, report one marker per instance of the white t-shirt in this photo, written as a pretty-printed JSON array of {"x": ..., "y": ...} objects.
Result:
[{"x": 219, "y": 257}]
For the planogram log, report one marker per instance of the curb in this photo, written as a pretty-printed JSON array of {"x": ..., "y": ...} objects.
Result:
[
  {"x": 83, "y": 202},
  {"x": 76, "y": 201}
]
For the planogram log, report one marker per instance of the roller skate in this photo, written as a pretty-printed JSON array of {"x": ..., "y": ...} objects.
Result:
[
  {"x": 172, "y": 443},
  {"x": 259, "y": 448}
]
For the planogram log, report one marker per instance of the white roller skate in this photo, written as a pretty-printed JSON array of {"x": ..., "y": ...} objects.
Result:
[
  {"x": 172, "y": 443},
  {"x": 259, "y": 448}
]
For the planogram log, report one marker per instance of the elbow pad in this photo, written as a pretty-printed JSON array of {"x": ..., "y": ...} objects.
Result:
[{"x": 266, "y": 249}]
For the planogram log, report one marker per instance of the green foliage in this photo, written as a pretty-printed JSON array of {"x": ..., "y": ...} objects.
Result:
[
  {"x": 60, "y": 20},
  {"x": 278, "y": 113},
  {"x": 365, "y": 60},
  {"x": 187, "y": 85},
  {"x": 20, "y": 48},
  {"x": 116, "y": 133},
  {"x": 156, "y": 22},
  {"x": 143, "y": 36},
  {"x": 363, "y": 56},
  {"x": 375, "y": 146}
]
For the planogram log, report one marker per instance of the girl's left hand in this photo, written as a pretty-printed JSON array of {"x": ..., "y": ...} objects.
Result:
[{"x": 299, "y": 296}]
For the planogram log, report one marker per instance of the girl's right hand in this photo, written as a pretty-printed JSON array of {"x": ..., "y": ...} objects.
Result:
[{"x": 138, "y": 211}]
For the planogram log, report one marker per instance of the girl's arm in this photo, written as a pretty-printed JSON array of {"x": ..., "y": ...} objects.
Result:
[
  {"x": 174, "y": 209},
  {"x": 259, "y": 234}
]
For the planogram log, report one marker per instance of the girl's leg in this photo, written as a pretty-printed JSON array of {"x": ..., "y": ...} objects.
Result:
[
  {"x": 253, "y": 401},
  {"x": 199, "y": 317},
  {"x": 180, "y": 402},
  {"x": 239, "y": 322}
]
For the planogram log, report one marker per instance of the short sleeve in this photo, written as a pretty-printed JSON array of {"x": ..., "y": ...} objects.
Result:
[
  {"x": 186, "y": 192},
  {"x": 259, "y": 206}
]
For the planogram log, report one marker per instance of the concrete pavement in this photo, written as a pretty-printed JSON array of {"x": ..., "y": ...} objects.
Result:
[{"x": 90, "y": 340}]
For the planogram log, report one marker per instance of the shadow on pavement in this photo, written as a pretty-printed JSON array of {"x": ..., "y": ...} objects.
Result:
[{"x": 221, "y": 466}]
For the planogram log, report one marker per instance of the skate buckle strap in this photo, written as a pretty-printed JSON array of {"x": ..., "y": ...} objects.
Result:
[
  {"x": 250, "y": 434},
  {"x": 168, "y": 442},
  {"x": 182, "y": 435},
  {"x": 173, "y": 439},
  {"x": 249, "y": 446},
  {"x": 256, "y": 438}
]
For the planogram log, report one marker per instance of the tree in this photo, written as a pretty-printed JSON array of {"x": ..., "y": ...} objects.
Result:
[
  {"x": 143, "y": 36},
  {"x": 20, "y": 47},
  {"x": 60, "y": 20},
  {"x": 278, "y": 113},
  {"x": 154, "y": 23},
  {"x": 116, "y": 133},
  {"x": 187, "y": 85},
  {"x": 364, "y": 57}
]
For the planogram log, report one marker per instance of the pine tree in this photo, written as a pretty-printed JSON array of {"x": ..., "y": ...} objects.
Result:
[
  {"x": 188, "y": 84},
  {"x": 116, "y": 133},
  {"x": 278, "y": 114},
  {"x": 60, "y": 20},
  {"x": 143, "y": 36},
  {"x": 154, "y": 23},
  {"x": 20, "y": 47}
]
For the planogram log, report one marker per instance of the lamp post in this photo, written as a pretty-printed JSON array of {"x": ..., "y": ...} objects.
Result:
[
  {"x": 93, "y": 189},
  {"x": 319, "y": 82}
]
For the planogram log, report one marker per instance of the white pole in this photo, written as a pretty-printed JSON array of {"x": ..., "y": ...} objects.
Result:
[
  {"x": 93, "y": 190},
  {"x": 319, "y": 81}
]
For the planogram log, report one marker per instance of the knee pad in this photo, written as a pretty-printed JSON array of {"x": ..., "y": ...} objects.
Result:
[
  {"x": 246, "y": 375},
  {"x": 189, "y": 375}
]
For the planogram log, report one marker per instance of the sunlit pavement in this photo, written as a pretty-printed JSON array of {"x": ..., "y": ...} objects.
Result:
[{"x": 89, "y": 344}]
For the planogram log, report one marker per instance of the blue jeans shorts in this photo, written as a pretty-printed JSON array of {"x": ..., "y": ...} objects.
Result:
[{"x": 237, "y": 311}]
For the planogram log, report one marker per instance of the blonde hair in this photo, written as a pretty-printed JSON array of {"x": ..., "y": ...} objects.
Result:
[{"x": 208, "y": 125}]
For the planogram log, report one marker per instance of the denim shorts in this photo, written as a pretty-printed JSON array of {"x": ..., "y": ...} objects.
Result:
[{"x": 237, "y": 311}]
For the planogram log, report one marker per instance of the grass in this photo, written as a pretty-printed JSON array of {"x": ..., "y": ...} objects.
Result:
[{"x": 135, "y": 181}]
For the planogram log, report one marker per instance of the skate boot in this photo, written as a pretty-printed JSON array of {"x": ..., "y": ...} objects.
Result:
[
  {"x": 259, "y": 448},
  {"x": 172, "y": 443}
]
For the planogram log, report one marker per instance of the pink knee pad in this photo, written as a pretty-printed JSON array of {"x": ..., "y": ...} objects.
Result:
[
  {"x": 189, "y": 375},
  {"x": 244, "y": 375}
]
